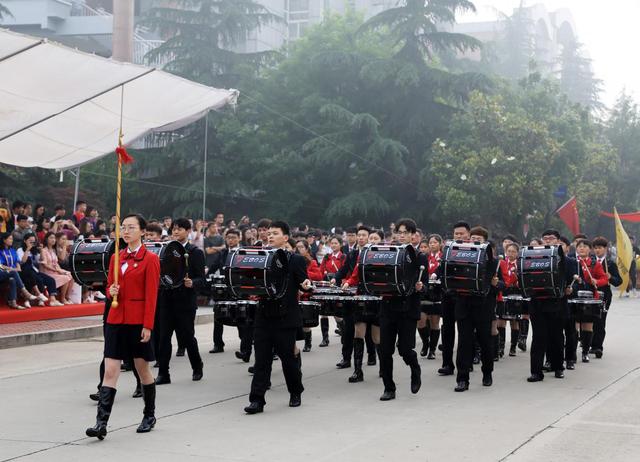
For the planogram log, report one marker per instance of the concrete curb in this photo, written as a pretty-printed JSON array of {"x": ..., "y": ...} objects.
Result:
[{"x": 61, "y": 335}]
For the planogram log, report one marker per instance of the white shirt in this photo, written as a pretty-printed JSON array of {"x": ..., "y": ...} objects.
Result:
[{"x": 125, "y": 265}]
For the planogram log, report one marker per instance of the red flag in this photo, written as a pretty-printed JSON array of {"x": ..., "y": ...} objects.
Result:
[
  {"x": 123, "y": 155},
  {"x": 568, "y": 213},
  {"x": 633, "y": 217}
]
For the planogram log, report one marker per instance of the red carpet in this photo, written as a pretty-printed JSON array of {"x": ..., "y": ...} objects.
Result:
[{"x": 8, "y": 316}]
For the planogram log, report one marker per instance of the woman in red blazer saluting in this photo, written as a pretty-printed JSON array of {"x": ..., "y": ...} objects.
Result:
[{"x": 129, "y": 324}]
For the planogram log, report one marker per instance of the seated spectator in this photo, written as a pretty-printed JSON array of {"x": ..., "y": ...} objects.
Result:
[
  {"x": 60, "y": 212},
  {"x": 17, "y": 208},
  {"x": 29, "y": 256},
  {"x": 28, "y": 210},
  {"x": 85, "y": 230},
  {"x": 62, "y": 250},
  {"x": 21, "y": 230},
  {"x": 67, "y": 227},
  {"x": 38, "y": 213},
  {"x": 49, "y": 265},
  {"x": 9, "y": 271},
  {"x": 43, "y": 226},
  {"x": 78, "y": 215}
]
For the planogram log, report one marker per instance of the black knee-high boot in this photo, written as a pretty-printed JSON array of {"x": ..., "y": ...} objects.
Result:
[
  {"x": 358, "y": 354},
  {"x": 524, "y": 333},
  {"x": 515, "y": 335},
  {"x": 324, "y": 327},
  {"x": 586, "y": 339},
  {"x": 424, "y": 336},
  {"x": 502, "y": 333},
  {"x": 149, "y": 413},
  {"x": 105, "y": 404},
  {"x": 434, "y": 336},
  {"x": 307, "y": 342}
]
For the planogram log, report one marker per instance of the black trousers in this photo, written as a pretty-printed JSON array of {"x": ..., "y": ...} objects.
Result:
[
  {"x": 348, "y": 331},
  {"x": 246, "y": 339},
  {"x": 396, "y": 326},
  {"x": 547, "y": 337},
  {"x": 218, "y": 329},
  {"x": 599, "y": 332},
  {"x": 570, "y": 339},
  {"x": 282, "y": 341},
  {"x": 180, "y": 320},
  {"x": 448, "y": 331},
  {"x": 474, "y": 322}
]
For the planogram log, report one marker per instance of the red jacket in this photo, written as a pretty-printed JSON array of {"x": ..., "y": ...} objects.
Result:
[
  {"x": 313, "y": 271},
  {"x": 509, "y": 271},
  {"x": 434, "y": 262},
  {"x": 587, "y": 266},
  {"x": 138, "y": 288},
  {"x": 332, "y": 263}
]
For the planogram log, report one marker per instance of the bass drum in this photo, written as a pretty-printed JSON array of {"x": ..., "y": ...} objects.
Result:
[
  {"x": 258, "y": 272},
  {"x": 89, "y": 261},
  {"x": 468, "y": 268},
  {"x": 173, "y": 265},
  {"x": 541, "y": 271},
  {"x": 390, "y": 270}
]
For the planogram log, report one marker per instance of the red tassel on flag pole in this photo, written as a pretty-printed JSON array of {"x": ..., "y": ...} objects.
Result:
[
  {"x": 123, "y": 155},
  {"x": 568, "y": 213}
]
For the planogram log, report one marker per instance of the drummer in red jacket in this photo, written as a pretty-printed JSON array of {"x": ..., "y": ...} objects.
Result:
[
  {"x": 314, "y": 273},
  {"x": 129, "y": 324}
]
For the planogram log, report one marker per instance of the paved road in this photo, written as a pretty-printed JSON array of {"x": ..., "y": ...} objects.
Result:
[{"x": 593, "y": 414}]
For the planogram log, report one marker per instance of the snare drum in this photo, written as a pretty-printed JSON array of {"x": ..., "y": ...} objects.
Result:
[
  {"x": 586, "y": 309},
  {"x": 513, "y": 307},
  {"x": 245, "y": 312},
  {"x": 310, "y": 313},
  {"x": 434, "y": 292},
  {"x": 330, "y": 305},
  {"x": 366, "y": 308},
  {"x": 218, "y": 288},
  {"x": 224, "y": 312}
]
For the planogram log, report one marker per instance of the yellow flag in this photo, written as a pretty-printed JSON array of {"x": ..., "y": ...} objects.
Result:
[{"x": 625, "y": 252}]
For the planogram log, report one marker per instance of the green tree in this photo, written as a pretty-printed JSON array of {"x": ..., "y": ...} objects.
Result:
[
  {"x": 576, "y": 77},
  {"x": 4, "y": 11}
]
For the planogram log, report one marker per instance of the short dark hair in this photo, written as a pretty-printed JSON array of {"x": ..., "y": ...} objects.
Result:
[
  {"x": 351, "y": 230},
  {"x": 282, "y": 226},
  {"x": 435, "y": 236},
  {"x": 80, "y": 203},
  {"x": 514, "y": 244},
  {"x": 263, "y": 223},
  {"x": 379, "y": 232},
  {"x": 586, "y": 242},
  {"x": 462, "y": 224},
  {"x": 565, "y": 240},
  {"x": 183, "y": 223},
  {"x": 579, "y": 236},
  {"x": 408, "y": 223},
  {"x": 21, "y": 217},
  {"x": 232, "y": 231},
  {"x": 600, "y": 241},
  {"x": 154, "y": 228},
  {"x": 337, "y": 238},
  {"x": 551, "y": 232},
  {"x": 141, "y": 221},
  {"x": 58, "y": 207},
  {"x": 480, "y": 231},
  {"x": 364, "y": 228},
  {"x": 510, "y": 237}
]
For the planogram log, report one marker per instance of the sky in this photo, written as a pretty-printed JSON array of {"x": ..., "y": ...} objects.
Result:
[{"x": 607, "y": 30}]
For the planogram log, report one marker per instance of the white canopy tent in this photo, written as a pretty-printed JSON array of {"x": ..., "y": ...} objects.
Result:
[{"x": 61, "y": 108}]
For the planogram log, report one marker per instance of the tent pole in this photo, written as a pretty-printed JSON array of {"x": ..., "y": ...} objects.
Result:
[
  {"x": 77, "y": 189},
  {"x": 204, "y": 179}
]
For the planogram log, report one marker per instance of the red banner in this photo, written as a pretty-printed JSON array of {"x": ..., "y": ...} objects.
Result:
[
  {"x": 568, "y": 213},
  {"x": 633, "y": 217}
]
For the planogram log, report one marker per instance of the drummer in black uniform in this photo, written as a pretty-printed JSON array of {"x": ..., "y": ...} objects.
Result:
[
  {"x": 600, "y": 246},
  {"x": 275, "y": 327},
  {"x": 178, "y": 308},
  {"x": 398, "y": 322}
]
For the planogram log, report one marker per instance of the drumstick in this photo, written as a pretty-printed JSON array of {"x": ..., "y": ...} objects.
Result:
[
  {"x": 186, "y": 265},
  {"x": 421, "y": 271}
]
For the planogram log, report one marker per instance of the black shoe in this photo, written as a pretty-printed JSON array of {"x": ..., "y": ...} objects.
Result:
[
  {"x": 471, "y": 368},
  {"x": 217, "y": 349},
  {"x": 149, "y": 418},
  {"x": 180, "y": 352},
  {"x": 156, "y": 365},
  {"x": 512, "y": 350},
  {"x": 254, "y": 408},
  {"x": 496, "y": 358},
  {"x": 357, "y": 376},
  {"x": 446, "y": 370},
  {"x": 535, "y": 378},
  {"x": 424, "y": 351},
  {"x": 295, "y": 400},
  {"x": 487, "y": 380},
  {"x": 559, "y": 375},
  {"x": 344, "y": 364},
  {"x": 197, "y": 375},
  {"x": 325, "y": 342},
  {"x": 388, "y": 395},
  {"x": 522, "y": 346},
  {"x": 416, "y": 381},
  {"x": 306, "y": 348},
  {"x": 105, "y": 403},
  {"x": 243, "y": 356},
  {"x": 461, "y": 386},
  {"x": 137, "y": 393},
  {"x": 251, "y": 369},
  {"x": 275, "y": 357},
  {"x": 94, "y": 396},
  {"x": 598, "y": 353},
  {"x": 476, "y": 359},
  {"x": 371, "y": 359},
  {"x": 571, "y": 365},
  {"x": 547, "y": 367},
  {"x": 431, "y": 355},
  {"x": 163, "y": 379},
  {"x": 440, "y": 347},
  {"x": 585, "y": 357}
]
